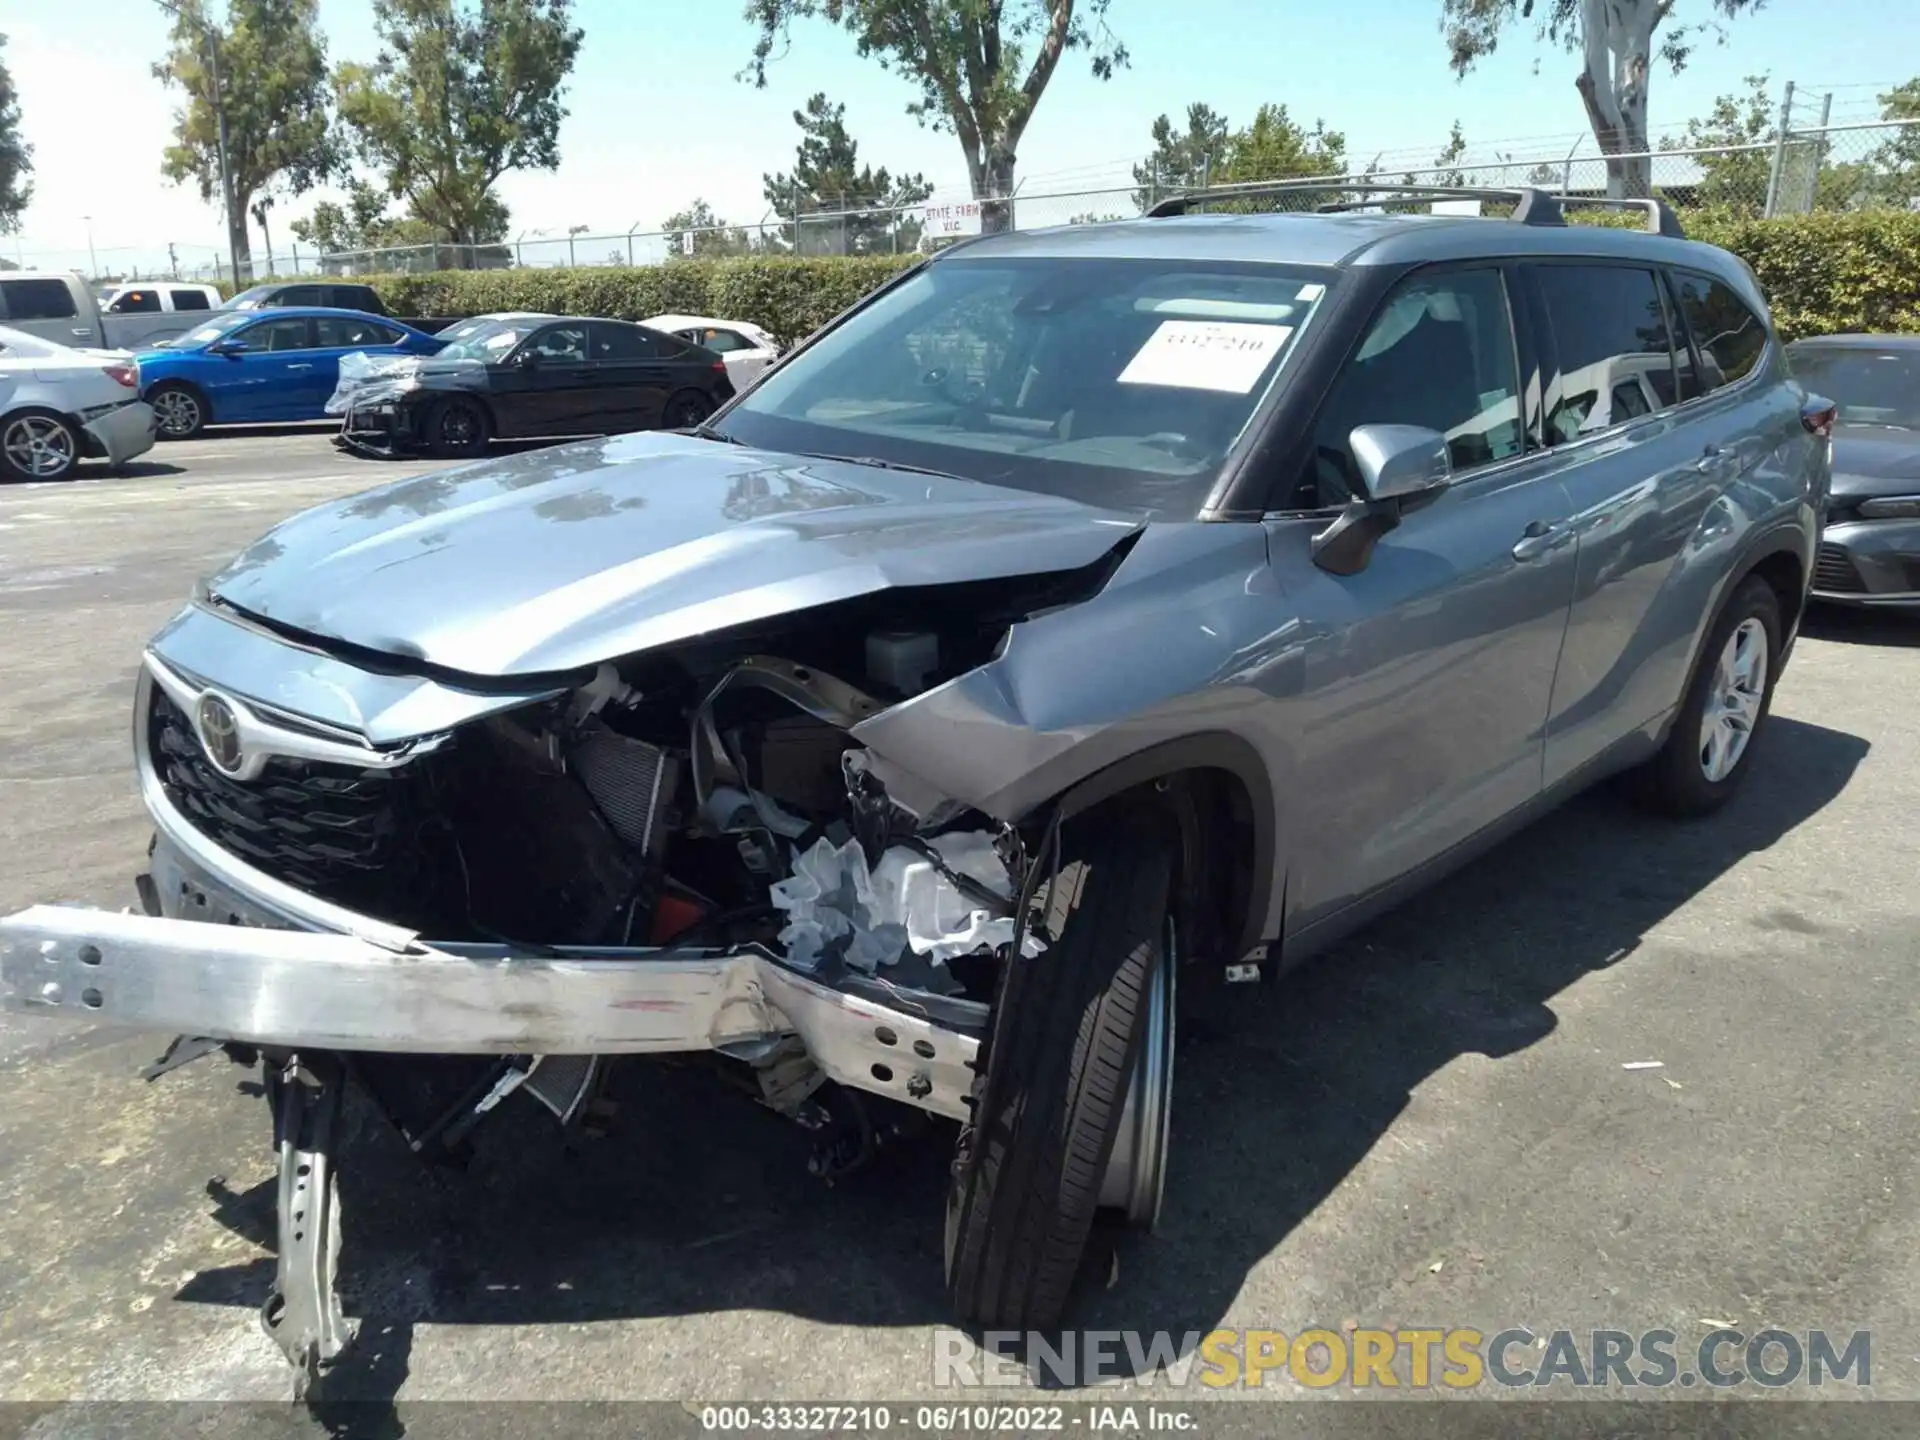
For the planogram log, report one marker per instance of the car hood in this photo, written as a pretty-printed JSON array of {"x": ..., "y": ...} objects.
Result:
[
  {"x": 1869, "y": 460},
  {"x": 556, "y": 560}
]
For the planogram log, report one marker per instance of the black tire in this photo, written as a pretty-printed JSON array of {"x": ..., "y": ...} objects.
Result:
[
  {"x": 685, "y": 408},
  {"x": 1677, "y": 781},
  {"x": 457, "y": 428},
  {"x": 1052, "y": 1086},
  {"x": 37, "y": 444},
  {"x": 179, "y": 409}
]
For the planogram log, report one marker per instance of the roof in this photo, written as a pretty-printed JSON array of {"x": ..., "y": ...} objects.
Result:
[
  {"x": 1857, "y": 342},
  {"x": 688, "y": 322},
  {"x": 1339, "y": 240},
  {"x": 295, "y": 312}
]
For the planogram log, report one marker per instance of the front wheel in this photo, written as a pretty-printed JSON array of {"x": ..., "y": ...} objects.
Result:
[
  {"x": 178, "y": 410},
  {"x": 37, "y": 445},
  {"x": 1071, "y": 1102},
  {"x": 457, "y": 427},
  {"x": 1710, "y": 747}
]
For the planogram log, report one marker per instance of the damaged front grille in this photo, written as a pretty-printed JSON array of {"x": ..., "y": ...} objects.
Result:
[{"x": 329, "y": 830}]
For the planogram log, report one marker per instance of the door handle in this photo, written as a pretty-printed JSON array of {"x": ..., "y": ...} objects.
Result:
[
  {"x": 303, "y": 365},
  {"x": 1716, "y": 458},
  {"x": 1542, "y": 537},
  {"x": 82, "y": 330}
]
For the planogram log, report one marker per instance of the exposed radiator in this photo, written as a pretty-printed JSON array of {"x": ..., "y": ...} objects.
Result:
[{"x": 631, "y": 781}]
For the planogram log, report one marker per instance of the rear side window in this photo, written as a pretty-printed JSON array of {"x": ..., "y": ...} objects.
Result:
[
  {"x": 136, "y": 302},
  {"x": 355, "y": 297},
  {"x": 1729, "y": 336},
  {"x": 190, "y": 300},
  {"x": 297, "y": 295},
  {"x": 629, "y": 342},
  {"x": 1614, "y": 347},
  {"x": 721, "y": 342},
  {"x": 37, "y": 299},
  {"x": 337, "y": 331}
]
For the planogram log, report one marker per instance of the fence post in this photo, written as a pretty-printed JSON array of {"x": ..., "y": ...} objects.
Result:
[
  {"x": 1779, "y": 153},
  {"x": 793, "y": 201},
  {"x": 1820, "y": 148}
]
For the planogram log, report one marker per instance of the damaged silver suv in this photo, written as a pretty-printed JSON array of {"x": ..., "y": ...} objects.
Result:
[{"x": 1085, "y": 612}]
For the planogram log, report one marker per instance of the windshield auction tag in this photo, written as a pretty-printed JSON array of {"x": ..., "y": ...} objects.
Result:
[{"x": 1206, "y": 355}]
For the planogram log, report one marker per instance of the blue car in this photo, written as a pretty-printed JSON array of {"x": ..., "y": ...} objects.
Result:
[{"x": 253, "y": 365}]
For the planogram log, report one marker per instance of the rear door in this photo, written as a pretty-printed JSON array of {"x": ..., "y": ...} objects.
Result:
[
  {"x": 1642, "y": 476},
  {"x": 50, "y": 308},
  {"x": 338, "y": 335},
  {"x": 632, "y": 378}
]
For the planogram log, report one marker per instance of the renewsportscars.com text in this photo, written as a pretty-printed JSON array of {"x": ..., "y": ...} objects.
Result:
[{"x": 1406, "y": 1358}]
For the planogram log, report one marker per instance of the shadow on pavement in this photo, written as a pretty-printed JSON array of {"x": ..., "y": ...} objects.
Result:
[
  {"x": 1860, "y": 625},
  {"x": 700, "y": 1202}
]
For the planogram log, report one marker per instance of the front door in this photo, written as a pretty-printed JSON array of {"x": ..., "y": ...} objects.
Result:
[
  {"x": 1425, "y": 676},
  {"x": 271, "y": 378},
  {"x": 546, "y": 385},
  {"x": 335, "y": 336}
]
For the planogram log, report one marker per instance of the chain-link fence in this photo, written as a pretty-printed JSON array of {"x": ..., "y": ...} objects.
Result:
[{"x": 1866, "y": 165}]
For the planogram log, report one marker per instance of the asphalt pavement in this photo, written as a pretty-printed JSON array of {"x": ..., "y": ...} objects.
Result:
[{"x": 1434, "y": 1125}]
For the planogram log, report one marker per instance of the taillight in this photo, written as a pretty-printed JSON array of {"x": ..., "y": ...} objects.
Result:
[
  {"x": 719, "y": 367},
  {"x": 127, "y": 375}
]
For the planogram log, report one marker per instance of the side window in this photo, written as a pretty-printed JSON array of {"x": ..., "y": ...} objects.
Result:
[
  {"x": 561, "y": 343},
  {"x": 1729, "y": 336},
  {"x": 277, "y": 335},
  {"x": 190, "y": 300},
  {"x": 297, "y": 295},
  {"x": 344, "y": 331},
  {"x": 627, "y": 342},
  {"x": 349, "y": 297},
  {"x": 1614, "y": 346},
  {"x": 723, "y": 342},
  {"x": 1439, "y": 355},
  {"x": 37, "y": 299},
  {"x": 136, "y": 302}
]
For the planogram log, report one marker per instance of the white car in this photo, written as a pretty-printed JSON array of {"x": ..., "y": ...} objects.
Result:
[
  {"x": 747, "y": 349},
  {"x": 59, "y": 406}
]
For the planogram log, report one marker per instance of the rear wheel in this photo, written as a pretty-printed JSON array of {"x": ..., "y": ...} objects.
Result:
[
  {"x": 1070, "y": 1108},
  {"x": 685, "y": 408},
  {"x": 37, "y": 445},
  {"x": 457, "y": 427},
  {"x": 178, "y": 409},
  {"x": 1710, "y": 748}
]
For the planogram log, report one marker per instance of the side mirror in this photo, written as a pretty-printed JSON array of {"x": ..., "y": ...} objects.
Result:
[
  {"x": 229, "y": 347},
  {"x": 1398, "y": 462},
  {"x": 1401, "y": 467},
  {"x": 528, "y": 360}
]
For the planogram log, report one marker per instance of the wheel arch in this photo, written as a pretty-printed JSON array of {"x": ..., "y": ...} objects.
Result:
[{"x": 1218, "y": 792}]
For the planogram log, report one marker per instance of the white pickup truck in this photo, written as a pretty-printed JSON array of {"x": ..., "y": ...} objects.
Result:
[{"x": 59, "y": 307}]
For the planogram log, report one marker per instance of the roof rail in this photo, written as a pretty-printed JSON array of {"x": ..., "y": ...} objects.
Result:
[{"x": 1531, "y": 205}]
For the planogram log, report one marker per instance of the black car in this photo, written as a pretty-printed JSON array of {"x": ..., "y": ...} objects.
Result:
[
  {"x": 335, "y": 295},
  {"x": 524, "y": 376},
  {"x": 1870, "y": 554}
]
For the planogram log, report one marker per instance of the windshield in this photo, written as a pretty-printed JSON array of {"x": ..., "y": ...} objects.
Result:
[
  {"x": 1122, "y": 383},
  {"x": 207, "y": 333},
  {"x": 488, "y": 342},
  {"x": 252, "y": 299},
  {"x": 1871, "y": 387}
]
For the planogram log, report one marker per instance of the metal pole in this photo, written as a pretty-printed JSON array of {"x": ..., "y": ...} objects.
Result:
[
  {"x": 795, "y": 202},
  {"x": 1566, "y": 167},
  {"x": 93, "y": 260},
  {"x": 1820, "y": 148},
  {"x": 1779, "y": 153}
]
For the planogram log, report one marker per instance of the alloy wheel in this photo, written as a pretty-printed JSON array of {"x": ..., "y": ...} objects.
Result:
[
  {"x": 1734, "y": 698},
  {"x": 178, "y": 412},
  {"x": 40, "y": 446}
]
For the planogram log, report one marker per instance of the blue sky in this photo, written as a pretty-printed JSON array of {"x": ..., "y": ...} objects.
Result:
[{"x": 658, "y": 118}]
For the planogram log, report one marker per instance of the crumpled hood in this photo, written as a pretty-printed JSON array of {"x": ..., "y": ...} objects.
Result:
[
  {"x": 1870, "y": 461},
  {"x": 558, "y": 559}
]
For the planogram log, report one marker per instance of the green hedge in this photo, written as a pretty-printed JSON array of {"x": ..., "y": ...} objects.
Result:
[
  {"x": 789, "y": 296},
  {"x": 1823, "y": 273}
]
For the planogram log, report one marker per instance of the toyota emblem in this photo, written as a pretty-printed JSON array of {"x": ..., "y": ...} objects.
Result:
[{"x": 220, "y": 734}]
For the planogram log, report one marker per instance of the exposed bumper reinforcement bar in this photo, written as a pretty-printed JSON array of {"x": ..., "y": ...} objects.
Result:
[{"x": 305, "y": 991}]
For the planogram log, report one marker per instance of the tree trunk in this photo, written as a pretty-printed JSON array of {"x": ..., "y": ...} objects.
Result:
[
  {"x": 237, "y": 240},
  {"x": 993, "y": 187},
  {"x": 1616, "y": 61}
]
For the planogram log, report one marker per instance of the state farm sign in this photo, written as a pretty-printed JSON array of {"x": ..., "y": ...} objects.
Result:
[{"x": 960, "y": 218}]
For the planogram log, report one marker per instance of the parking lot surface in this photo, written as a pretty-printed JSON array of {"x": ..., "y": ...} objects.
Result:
[{"x": 1430, "y": 1126}]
